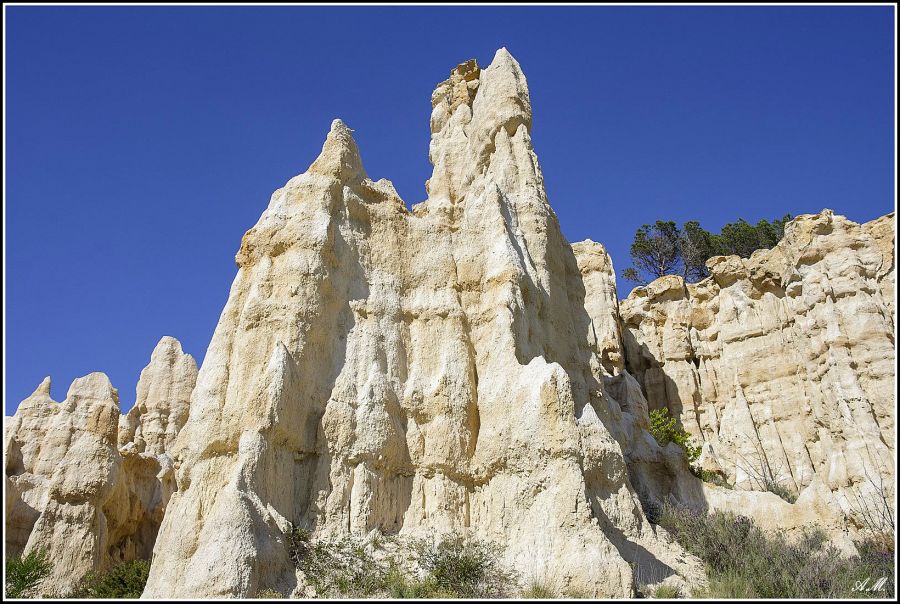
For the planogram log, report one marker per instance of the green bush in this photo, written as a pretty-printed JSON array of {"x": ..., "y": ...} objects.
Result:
[
  {"x": 780, "y": 490},
  {"x": 125, "y": 580},
  {"x": 25, "y": 573},
  {"x": 667, "y": 592},
  {"x": 336, "y": 567},
  {"x": 538, "y": 591},
  {"x": 665, "y": 430},
  {"x": 399, "y": 585},
  {"x": 742, "y": 561},
  {"x": 468, "y": 567},
  {"x": 711, "y": 477},
  {"x": 453, "y": 567}
]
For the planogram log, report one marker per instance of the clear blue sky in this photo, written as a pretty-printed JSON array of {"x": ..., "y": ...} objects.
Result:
[{"x": 143, "y": 141}]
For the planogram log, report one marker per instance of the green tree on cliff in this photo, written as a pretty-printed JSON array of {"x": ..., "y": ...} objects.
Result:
[{"x": 664, "y": 249}]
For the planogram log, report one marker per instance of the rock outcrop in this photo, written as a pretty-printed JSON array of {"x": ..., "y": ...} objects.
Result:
[
  {"x": 783, "y": 366},
  {"x": 163, "y": 400},
  {"x": 411, "y": 373},
  {"x": 70, "y": 489},
  {"x": 460, "y": 368}
]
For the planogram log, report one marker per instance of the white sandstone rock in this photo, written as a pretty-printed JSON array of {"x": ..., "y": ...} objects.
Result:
[{"x": 416, "y": 373}]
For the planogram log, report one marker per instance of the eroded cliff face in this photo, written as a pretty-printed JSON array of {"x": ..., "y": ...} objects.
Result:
[
  {"x": 460, "y": 368},
  {"x": 411, "y": 373},
  {"x": 71, "y": 490},
  {"x": 783, "y": 365}
]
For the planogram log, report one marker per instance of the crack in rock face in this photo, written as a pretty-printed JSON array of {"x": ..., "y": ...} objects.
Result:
[{"x": 460, "y": 368}]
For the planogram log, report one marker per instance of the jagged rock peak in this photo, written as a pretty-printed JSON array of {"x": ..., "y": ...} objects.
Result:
[
  {"x": 162, "y": 401},
  {"x": 414, "y": 374},
  {"x": 91, "y": 389},
  {"x": 60, "y": 461},
  {"x": 340, "y": 155},
  {"x": 475, "y": 113},
  {"x": 43, "y": 387}
]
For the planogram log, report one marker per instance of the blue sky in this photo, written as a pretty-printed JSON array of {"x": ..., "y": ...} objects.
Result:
[{"x": 143, "y": 141}]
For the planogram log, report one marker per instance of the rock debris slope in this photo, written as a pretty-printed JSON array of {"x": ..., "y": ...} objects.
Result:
[
  {"x": 79, "y": 490},
  {"x": 411, "y": 372}
]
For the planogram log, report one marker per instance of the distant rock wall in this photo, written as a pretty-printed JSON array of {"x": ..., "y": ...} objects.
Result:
[
  {"x": 71, "y": 490},
  {"x": 783, "y": 364}
]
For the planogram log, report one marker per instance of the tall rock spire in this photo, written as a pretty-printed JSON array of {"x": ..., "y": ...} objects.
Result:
[
  {"x": 408, "y": 373},
  {"x": 468, "y": 111}
]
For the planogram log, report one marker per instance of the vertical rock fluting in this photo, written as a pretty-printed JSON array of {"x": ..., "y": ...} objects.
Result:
[
  {"x": 69, "y": 489},
  {"x": 410, "y": 372},
  {"x": 783, "y": 366}
]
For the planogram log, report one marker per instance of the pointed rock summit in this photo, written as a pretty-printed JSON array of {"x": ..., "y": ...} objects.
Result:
[
  {"x": 163, "y": 399},
  {"x": 340, "y": 156},
  {"x": 44, "y": 387}
]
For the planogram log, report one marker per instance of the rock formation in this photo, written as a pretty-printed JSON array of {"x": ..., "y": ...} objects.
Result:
[
  {"x": 782, "y": 364},
  {"x": 460, "y": 368},
  {"x": 163, "y": 400},
  {"x": 410, "y": 372},
  {"x": 71, "y": 490}
]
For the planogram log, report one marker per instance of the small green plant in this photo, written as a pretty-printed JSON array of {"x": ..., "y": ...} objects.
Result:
[
  {"x": 25, "y": 573},
  {"x": 268, "y": 594},
  {"x": 780, "y": 490},
  {"x": 468, "y": 567},
  {"x": 665, "y": 430},
  {"x": 399, "y": 585},
  {"x": 538, "y": 591},
  {"x": 711, "y": 477},
  {"x": 125, "y": 580},
  {"x": 667, "y": 592}
]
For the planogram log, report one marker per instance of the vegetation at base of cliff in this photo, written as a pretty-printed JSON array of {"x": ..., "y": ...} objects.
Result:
[
  {"x": 468, "y": 567},
  {"x": 666, "y": 592},
  {"x": 336, "y": 567},
  {"x": 664, "y": 249},
  {"x": 451, "y": 567},
  {"x": 538, "y": 591},
  {"x": 744, "y": 562},
  {"x": 665, "y": 429},
  {"x": 24, "y": 574},
  {"x": 125, "y": 580}
]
